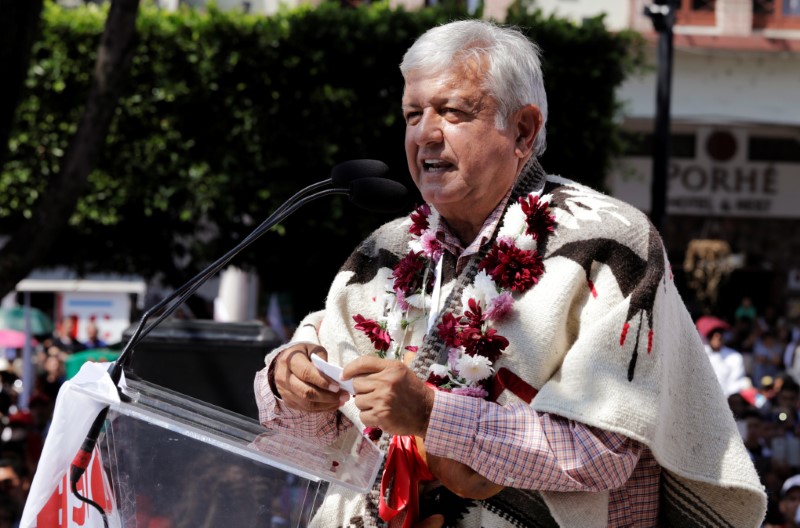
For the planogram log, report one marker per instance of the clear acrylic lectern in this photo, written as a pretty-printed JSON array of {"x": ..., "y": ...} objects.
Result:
[{"x": 175, "y": 461}]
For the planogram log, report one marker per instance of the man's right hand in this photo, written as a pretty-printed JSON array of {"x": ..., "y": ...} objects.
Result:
[{"x": 301, "y": 386}]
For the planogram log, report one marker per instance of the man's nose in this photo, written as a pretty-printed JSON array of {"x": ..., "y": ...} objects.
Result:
[{"x": 429, "y": 129}]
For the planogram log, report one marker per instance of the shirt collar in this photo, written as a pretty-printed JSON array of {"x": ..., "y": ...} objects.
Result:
[{"x": 453, "y": 245}]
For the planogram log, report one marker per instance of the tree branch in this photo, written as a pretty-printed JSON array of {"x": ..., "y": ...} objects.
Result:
[
  {"x": 19, "y": 27},
  {"x": 29, "y": 245}
]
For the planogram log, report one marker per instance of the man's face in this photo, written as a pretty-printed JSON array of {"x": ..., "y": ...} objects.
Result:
[
  {"x": 461, "y": 163},
  {"x": 788, "y": 506}
]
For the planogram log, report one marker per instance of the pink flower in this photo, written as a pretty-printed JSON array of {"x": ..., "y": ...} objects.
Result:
[
  {"x": 473, "y": 392},
  {"x": 419, "y": 219},
  {"x": 513, "y": 268},
  {"x": 431, "y": 245},
  {"x": 452, "y": 359},
  {"x": 378, "y": 335},
  {"x": 401, "y": 300},
  {"x": 500, "y": 306},
  {"x": 540, "y": 221}
]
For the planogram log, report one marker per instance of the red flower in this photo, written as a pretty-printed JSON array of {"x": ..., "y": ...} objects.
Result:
[
  {"x": 419, "y": 219},
  {"x": 438, "y": 381},
  {"x": 540, "y": 221},
  {"x": 379, "y": 336},
  {"x": 373, "y": 433},
  {"x": 408, "y": 273},
  {"x": 513, "y": 268},
  {"x": 489, "y": 344},
  {"x": 448, "y": 330},
  {"x": 474, "y": 315}
]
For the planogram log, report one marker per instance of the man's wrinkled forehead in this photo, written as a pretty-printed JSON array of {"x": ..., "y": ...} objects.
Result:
[
  {"x": 468, "y": 65},
  {"x": 451, "y": 86}
]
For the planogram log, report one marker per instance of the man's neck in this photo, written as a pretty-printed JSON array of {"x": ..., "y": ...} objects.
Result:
[{"x": 465, "y": 231}]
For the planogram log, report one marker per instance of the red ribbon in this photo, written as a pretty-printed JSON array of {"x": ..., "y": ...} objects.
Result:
[{"x": 405, "y": 466}]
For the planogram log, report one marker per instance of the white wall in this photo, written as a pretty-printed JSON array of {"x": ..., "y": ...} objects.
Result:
[
  {"x": 617, "y": 11},
  {"x": 722, "y": 87}
]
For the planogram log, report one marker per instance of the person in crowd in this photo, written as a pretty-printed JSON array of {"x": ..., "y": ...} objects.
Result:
[
  {"x": 791, "y": 359},
  {"x": 767, "y": 357},
  {"x": 93, "y": 337},
  {"x": 727, "y": 363},
  {"x": 64, "y": 337},
  {"x": 559, "y": 358},
  {"x": 789, "y": 502},
  {"x": 52, "y": 375},
  {"x": 746, "y": 310},
  {"x": 13, "y": 491}
]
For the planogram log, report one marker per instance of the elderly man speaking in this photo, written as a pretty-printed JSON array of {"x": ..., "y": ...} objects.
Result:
[{"x": 517, "y": 344}]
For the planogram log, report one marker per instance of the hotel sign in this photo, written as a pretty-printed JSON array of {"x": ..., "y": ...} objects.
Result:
[{"x": 707, "y": 187}]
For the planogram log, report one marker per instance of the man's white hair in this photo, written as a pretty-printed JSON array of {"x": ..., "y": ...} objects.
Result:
[{"x": 513, "y": 72}]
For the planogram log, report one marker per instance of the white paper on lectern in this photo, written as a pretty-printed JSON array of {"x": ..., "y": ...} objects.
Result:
[{"x": 72, "y": 418}]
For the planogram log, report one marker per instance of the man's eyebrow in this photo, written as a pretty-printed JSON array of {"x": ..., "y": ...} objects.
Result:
[{"x": 445, "y": 101}]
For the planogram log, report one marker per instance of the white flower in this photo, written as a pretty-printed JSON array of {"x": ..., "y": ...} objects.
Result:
[
  {"x": 394, "y": 325},
  {"x": 526, "y": 242},
  {"x": 433, "y": 220},
  {"x": 415, "y": 245},
  {"x": 415, "y": 324},
  {"x": 546, "y": 198},
  {"x": 388, "y": 298},
  {"x": 466, "y": 295},
  {"x": 483, "y": 289},
  {"x": 418, "y": 301},
  {"x": 439, "y": 370},
  {"x": 474, "y": 368},
  {"x": 514, "y": 222}
]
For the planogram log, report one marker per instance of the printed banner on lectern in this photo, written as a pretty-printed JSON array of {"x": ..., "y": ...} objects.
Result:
[{"x": 65, "y": 510}]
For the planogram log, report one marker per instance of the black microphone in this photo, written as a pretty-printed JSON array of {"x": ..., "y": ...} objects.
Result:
[
  {"x": 378, "y": 195},
  {"x": 363, "y": 180},
  {"x": 344, "y": 177},
  {"x": 343, "y": 174}
]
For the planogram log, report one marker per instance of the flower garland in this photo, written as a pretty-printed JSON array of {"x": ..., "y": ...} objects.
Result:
[{"x": 512, "y": 266}]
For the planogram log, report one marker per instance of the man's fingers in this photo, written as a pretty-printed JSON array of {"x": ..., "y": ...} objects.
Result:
[
  {"x": 313, "y": 393},
  {"x": 311, "y": 398},
  {"x": 304, "y": 369},
  {"x": 320, "y": 351},
  {"x": 363, "y": 366}
]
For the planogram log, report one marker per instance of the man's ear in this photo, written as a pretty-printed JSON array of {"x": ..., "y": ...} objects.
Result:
[{"x": 528, "y": 123}]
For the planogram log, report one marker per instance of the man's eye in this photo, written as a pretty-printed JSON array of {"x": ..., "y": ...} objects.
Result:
[{"x": 412, "y": 116}]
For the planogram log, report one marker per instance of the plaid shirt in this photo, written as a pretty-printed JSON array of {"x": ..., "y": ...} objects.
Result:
[
  {"x": 514, "y": 445},
  {"x": 518, "y": 447}
]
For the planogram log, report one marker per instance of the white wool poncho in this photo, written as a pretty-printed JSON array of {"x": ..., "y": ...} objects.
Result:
[{"x": 607, "y": 341}]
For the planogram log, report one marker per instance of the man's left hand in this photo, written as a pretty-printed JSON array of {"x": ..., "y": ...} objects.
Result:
[{"x": 390, "y": 396}]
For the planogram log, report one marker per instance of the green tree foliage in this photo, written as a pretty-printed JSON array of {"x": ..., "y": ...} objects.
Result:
[{"x": 226, "y": 115}]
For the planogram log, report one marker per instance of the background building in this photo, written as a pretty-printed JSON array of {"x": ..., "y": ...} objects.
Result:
[{"x": 734, "y": 174}]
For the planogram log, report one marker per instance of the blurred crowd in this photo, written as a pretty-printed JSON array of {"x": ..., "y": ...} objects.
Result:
[
  {"x": 756, "y": 357},
  {"x": 22, "y": 431}
]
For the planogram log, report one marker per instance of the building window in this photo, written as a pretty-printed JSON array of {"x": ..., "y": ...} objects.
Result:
[
  {"x": 697, "y": 13},
  {"x": 773, "y": 149},
  {"x": 776, "y": 14},
  {"x": 640, "y": 144}
]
